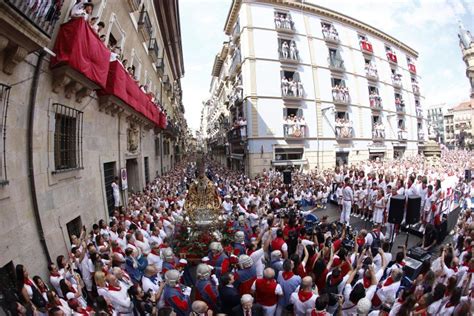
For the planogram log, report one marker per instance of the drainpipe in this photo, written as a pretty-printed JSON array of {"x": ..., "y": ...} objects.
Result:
[
  {"x": 161, "y": 133},
  {"x": 31, "y": 167}
]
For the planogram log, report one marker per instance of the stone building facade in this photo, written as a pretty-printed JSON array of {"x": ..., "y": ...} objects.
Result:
[
  {"x": 314, "y": 87},
  {"x": 63, "y": 141}
]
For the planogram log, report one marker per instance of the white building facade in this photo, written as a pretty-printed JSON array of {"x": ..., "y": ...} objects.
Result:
[{"x": 317, "y": 87}]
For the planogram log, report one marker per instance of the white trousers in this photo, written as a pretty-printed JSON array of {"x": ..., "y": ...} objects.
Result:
[
  {"x": 269, "y": 310},
  {"x": 346, "y": 212}
]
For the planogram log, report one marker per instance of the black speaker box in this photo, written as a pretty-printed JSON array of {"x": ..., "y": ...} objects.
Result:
[
  {"x": 397, "y": 207},
  {"x": 287, "y": 177},
  {"x": 413, "y": 210}
]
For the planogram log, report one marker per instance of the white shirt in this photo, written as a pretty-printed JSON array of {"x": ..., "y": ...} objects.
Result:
[
  {"x": 120, "y": 301},
  {"x": 78, "y": 11},
  {"x": 301, "y": 308}
]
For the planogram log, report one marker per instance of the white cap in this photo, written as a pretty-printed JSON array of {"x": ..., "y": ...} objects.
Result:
[
  {"x": 364, "y": 306},
  {"x": 205, "y": 259}
]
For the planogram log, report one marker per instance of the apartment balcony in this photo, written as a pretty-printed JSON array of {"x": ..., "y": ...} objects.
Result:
[
  {"x": 392, "y": 58},
  {"x": 144, "y": 25},
  {"x": 341, "y": 96},
  {"x": 331, "y": 37},
  {"x": 375, "y": 102},
  {"x": 25, "y": 27},
  {"x": 82, "y": 61},
  {"x": 237, "y": 134},
  {"x": 397, "y": 81},
  {"x": 371, "y": 74},
  {"x": 412, "y": 68},
  {"x": 134, "y": 5},
  {"x": 290, "y": 56},
  {"x": 378, "y": 132},
  {"x": 366, "y": 47},
  {"x": 284, "y": 25},
  {"x": 400, "y": 109},
  {"x": 236, "y": 63},
  {"x": 418, "y": 112},
  {"x": 421, "y": 136},
  {"x": 336, "y": 64},
  {"x": 153, "y": 50},
  {"x": 294, "y": 131},
  {"x": 344, "y": 131},
  {"x": 402, "y": 134},
  {"x": 416, "y": 88},
  {"x": 292, "y": 90}
]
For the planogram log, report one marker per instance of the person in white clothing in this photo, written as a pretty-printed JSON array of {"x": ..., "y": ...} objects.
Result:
[
  {"x": 347, "y": 201},
  {"x": 304, "y": 299},
  {"x": 118, "y": 296},
  {"x": 116, "y": 193}
]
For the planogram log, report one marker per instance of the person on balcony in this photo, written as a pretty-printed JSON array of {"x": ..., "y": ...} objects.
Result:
[
  {"x": 115, "y": 54},
  {"x": 325, "y": 30},
  {"x": 285, "y": 50},
  {"x": 293, "y": 87},
  {"x": 333, "y": 33},
  {"x": 284, "y": 86},
  {"x": 345, "y": 93},
  {"x": 277, "y": 21},
  {"x": 338, "y": 127},
  {"x": 82, "y": 9},
  {"x": 288, "y": 22},
  {"x": 300, "y": 90},
  {"x": 293, "y": 51}
]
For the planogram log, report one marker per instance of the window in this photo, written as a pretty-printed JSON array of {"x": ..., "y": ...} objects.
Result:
[
  {"x": 4, "y": 99},
  {"x": 136, "y": 65},
  {"x": 373, "y": 90},
  {"x": 287, "y": 49},
  {"x": 338, "y": 82},
  {"x": 342, "y": 159},
  {"x": 283, "y": 21},
  {"x": 67, "y": 138},
  {"x": 401, "y": 123},
  {"x": 109, "y": 175},
  {"x": 335, "y": 59},
  {"x": 329, "y": 31},
  {"x": 292, "y": 112},
  {"x": 289, "y": 153},
  {"x": 74, "y": 227},
  {"x": 362, "y": 37},
  {"x": 115, "y": 33}
]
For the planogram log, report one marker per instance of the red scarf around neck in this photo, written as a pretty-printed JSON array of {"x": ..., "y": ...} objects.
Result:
[
  {"x": 113, "y": 288},
  {"x": 304, "y": 295},
  {"x": 287, "y": 275}
]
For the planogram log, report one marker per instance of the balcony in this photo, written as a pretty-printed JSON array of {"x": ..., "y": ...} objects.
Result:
[
  {"x": 416, "y": 88},
  {"x": 82, "y": 61},
  {"x": 289, "y": 53},
  {"x": 344, "y": 129},
  {"x": 160, "y": 66},
  {"x": 134, "y": 5},
  {"x": 378, "y": 131},
  {"x": 375, "y": 101},
  {"x": 236, "y": 32},
  {"x": 392, "y": 58},
  {"x": 144, "y": 26},
  {"x": 400, "y": 109},
  {"x": 294, "y": 129},
  {"x": 402, "y": 134},
  {"x": 397, "y": 81},
  {"x": 336, "y": 64},
  {"x": 371, "y": 73},
  {"x": 331, "y": 36},
  {"x": 366, "y": 47},
  {"x": 340, "y": 95},
  {"x": 421, "y": 136},
  {"x": 237, "y": 134},
  {"x": 153, "y": 50},
  {"x": 291, "y": 89},
  {"x": 25, "y": 27},
  {"x": 236, "y": 63},
  {"x": 418, "y": 112},
  {"x": 284, "y": 24},
  {"x": 412, "y": 68}
]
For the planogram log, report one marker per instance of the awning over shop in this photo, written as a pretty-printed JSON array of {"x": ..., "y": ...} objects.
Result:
[{"x": 289, "y": 162}]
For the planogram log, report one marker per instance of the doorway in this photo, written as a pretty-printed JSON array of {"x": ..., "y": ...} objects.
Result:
[
  {"x": 109, "y": 174},
  {"x": 132, "y": 175},
  {"x": 147, "y": 170}
]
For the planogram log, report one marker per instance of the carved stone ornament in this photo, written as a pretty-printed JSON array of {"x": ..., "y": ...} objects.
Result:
[{"x": 133, "y": 138}]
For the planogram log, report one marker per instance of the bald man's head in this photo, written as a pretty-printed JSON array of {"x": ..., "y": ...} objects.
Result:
[
  {"x": 307, "y": 282},
  {"x": 199, "y": 307},
  {"x": 269, "y": 273}
]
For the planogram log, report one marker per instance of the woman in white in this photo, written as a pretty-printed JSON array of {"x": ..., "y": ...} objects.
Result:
[
  {"x": 284, "y": 86},
  {"x": 300, "y": 89},
  {"x": 293, "y": 51},
  {"x": 294, "y": 88},
  {"x": 379, "y": 207},
  {"x": 116, "y": 192}
]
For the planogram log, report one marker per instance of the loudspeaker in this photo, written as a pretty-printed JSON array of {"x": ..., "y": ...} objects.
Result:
[
  {"x": 397, "y": 206},
  {"x": 287, "y": 177},
  {"x": 468, "y": 175},
  {"x": 413, "y": 209}
]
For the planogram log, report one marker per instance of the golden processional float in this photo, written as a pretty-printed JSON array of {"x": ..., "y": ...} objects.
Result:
[{"x": 203, "y": 222}]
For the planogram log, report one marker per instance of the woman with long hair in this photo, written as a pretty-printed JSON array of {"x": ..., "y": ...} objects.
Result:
[
  {"x": 41, "y": 286},
  {"x": 30, "y": 296},
  {"x": 72, "y": 291},
  {"x": 55, "y": 301}
]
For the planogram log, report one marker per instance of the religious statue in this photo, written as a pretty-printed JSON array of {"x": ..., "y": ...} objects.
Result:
[
  {"x": 203, "y": 204},
  {"x": 133, "y": 138},
  {"x": 465, "y": 37}
]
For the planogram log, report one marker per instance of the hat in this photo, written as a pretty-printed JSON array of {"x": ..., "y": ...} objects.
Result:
[
  {"x": 363, "y": 306},
  {"x": 205, "y": 259},
  {"x": 182, "y": 262}
]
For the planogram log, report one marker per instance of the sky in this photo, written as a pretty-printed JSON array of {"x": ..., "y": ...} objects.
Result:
[{"x": 428, "y": 26}]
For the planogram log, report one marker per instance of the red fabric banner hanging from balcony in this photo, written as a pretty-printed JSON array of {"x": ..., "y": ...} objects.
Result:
[
  {"x": 78, "y": 46},
  {"x": 412, "y": 68},
  {"x": 121, "y": 85},
  {"x": 366, "y": 46}
]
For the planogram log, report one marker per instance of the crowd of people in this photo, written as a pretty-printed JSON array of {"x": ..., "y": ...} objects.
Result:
[
  {"x": 375, "y": 100},
  {"x": 378, "y": 130},
  {"x": 280, "y": 260},
  {"x": 343, "y": 127},
  {"x": 294, "y": 125},
  {"x": 283, "y": 21},
  {"x": 329, "y": 31},
  {"x": 289, "y": 51},
  {"x": 371, "y": 69},
  {"x": 340, "y": 93}
]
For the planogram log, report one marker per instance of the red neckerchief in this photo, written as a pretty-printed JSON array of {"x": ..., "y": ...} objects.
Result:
[
  {"x": 72, "y": 289},
  {"x": 118, "y": 250},
  {"x": 287, "y": 275},
  {"x": 470, "y": 271},
  {"x": 335, "y": 280},
  {"x": 360, "y": 241},
  {"x": 316, "y": 313},
  {"x": 132, "y": 243},
  {"x": 55, "y": 274},
  {"x": 367, "y": 282},
  {"x": 449, "y": 304},
  {"x": 29, "y": 282},
  {"x": 455, "y": 269},
  {"x": 304, "y": 296},
  {"x": 113, "y": 288},
  {"x": 155, "y": 251},
  {"x": 82, "y": 311},
  {"x": 388, "y": 282}
]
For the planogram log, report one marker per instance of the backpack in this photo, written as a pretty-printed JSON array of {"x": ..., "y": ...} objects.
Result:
[{"x": 376, "y": 243}]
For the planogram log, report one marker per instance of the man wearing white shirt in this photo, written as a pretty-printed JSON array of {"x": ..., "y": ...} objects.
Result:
[
  {"x": 304, "y": 299},
  {"x": 151, "y": 280},
  {"x": 118, "y": 296},
  {"x": 227, "y": 204},
  {"x": 82, "y": 9},
  {"x": 154, "y": 257},
  {"x": 142, "y": 243}
]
